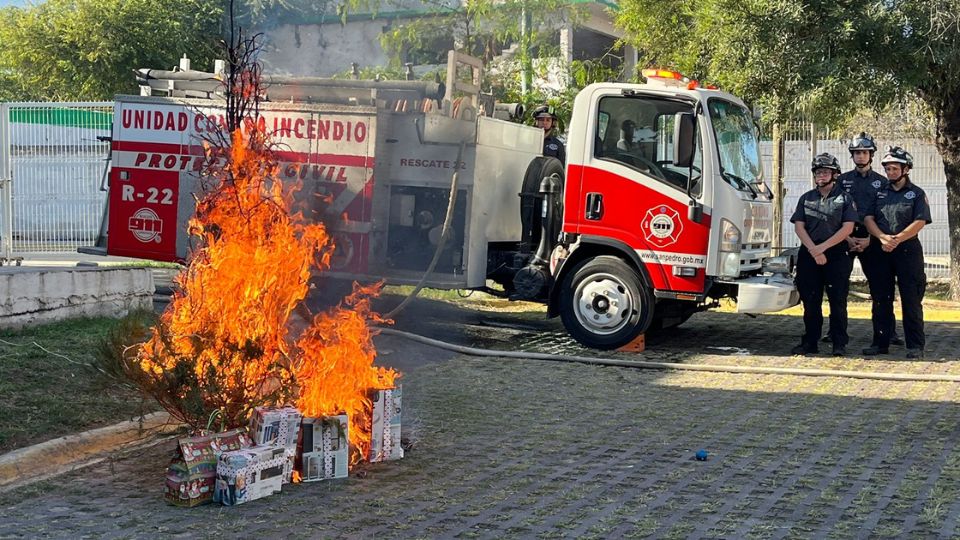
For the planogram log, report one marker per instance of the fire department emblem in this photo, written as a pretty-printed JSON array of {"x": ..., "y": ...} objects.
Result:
[
  {"x": 146, "y": 225},
  {"x": 876, "y": 184},
  {"x": 662, "y": 226},
  {"x": 910, "y": 195}
]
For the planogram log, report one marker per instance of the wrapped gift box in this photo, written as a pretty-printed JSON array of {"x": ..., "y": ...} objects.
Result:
[
  {"x": 323, "y": 451},
  {"x": 385, "y": 432},
  {"x": 191, "y": 475},
  {"x": 251, "y": 473},
  {"x": 277, "y": 426}
]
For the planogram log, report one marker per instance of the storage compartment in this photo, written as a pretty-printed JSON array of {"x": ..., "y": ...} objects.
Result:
[{"x": 416, "y": 224}]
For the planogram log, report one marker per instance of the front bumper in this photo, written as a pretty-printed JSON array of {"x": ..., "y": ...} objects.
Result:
[{"x": 763, "y": 294}]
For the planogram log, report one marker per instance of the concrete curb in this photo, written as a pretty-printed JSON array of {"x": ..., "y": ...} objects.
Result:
[{"x": 40, "y": 461}]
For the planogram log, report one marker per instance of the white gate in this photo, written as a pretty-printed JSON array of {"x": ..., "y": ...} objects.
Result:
[{"x": 53, "y": 158}]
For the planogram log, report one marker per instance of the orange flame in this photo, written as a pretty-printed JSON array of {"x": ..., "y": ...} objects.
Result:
[
  {"x": 228, "y": 323},
  {"x": 335, "y": 371}
]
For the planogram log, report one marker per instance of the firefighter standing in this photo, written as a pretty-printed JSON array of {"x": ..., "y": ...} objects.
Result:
[
  {"x": 863, "y": 184},
  {"x": 546, "y": 120},
  {"x": 900, "y": 211},
  {"x": 824, "y": 218}
]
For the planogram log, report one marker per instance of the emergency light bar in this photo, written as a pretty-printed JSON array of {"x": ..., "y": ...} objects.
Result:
[
  {"x": 667, "y": 77},
  {"x": 663, "y": 74}
]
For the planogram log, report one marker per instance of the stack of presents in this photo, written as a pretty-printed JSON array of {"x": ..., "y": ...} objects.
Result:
[{"x": 240, "y": 465}]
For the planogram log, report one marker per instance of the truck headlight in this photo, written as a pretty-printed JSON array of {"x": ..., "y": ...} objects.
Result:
[
  {"x": 729, "y": 249},
  {"x": 730, "y": 237},
  {"x": 729, "y": 264}
]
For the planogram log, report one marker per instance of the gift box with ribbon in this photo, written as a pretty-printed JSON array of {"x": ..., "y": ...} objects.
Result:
[
  {"x": 192, "y": 472},
  {"x": 251, "y": 473},
  {"x": 323, "y": 451},
  {"x": 385, "y": 432}
]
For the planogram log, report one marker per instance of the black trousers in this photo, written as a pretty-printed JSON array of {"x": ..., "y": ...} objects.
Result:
[
  {"x": 869, "y": 261},
  {"x": 812, "y": 280},
  {"x": 902, "y": 268}
]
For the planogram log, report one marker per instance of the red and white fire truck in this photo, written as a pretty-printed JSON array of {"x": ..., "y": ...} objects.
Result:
[{"x": 660, "y": 210}]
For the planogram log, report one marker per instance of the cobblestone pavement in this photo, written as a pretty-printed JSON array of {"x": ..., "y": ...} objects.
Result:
[
  {"x": 707, "y": 338},
  {"x": 518, "y": 449}
]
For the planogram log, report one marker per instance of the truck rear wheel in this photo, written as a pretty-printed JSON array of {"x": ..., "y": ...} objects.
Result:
[{"x": 603, "y": 303}]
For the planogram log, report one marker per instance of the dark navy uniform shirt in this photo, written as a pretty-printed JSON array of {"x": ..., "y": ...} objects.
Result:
[
  {"x": 822, "y": 216},
  {"x": 895, "y": 210},
  {"x": 553, "y": 147},
  {"x": 863, "y": 189}
]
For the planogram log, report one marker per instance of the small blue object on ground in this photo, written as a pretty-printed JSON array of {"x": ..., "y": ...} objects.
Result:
[{"x": 702, "y": 455}]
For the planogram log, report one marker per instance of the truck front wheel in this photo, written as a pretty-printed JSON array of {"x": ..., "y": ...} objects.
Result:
[{"x": 603, "y": 303}]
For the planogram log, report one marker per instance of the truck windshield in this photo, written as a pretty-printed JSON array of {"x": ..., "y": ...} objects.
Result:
[{"x": 737, "y": 145}]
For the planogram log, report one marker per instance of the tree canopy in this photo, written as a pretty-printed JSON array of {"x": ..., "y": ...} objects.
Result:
[
  {"x": 823, "y": 57},
  {"x": 87, "y": 49}
]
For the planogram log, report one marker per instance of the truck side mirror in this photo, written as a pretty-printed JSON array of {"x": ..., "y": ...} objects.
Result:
[{"x": 684, "y": 135}]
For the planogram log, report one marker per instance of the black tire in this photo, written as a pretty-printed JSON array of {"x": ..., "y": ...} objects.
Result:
[
  {"x": 530, "y": 210},
  {"x": 592, "y": 299}
]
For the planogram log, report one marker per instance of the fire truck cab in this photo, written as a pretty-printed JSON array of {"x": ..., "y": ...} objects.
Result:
[
  {"x": 665, "y": 208},
  {"x": 660, "y": 211}
]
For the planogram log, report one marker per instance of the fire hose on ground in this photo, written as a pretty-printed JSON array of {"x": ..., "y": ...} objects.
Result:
[
  {"x": 635, "y": 364},
  {"x": 444, "y": 233},
  {"x": 645, "y": 364}
]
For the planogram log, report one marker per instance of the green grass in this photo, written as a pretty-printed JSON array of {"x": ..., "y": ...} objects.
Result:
[
  {"x": 48, "y": 388},
  {"x": 465, "y": 297}
]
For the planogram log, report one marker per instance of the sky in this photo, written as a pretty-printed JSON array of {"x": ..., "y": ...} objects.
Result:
[{"x": 5, "y": 3}]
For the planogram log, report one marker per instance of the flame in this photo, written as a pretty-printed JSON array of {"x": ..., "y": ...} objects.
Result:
[
  {"x": 335, "y": 371},
  {"x": 228, "y": 328},
  {"x": 296, "y": 477}
]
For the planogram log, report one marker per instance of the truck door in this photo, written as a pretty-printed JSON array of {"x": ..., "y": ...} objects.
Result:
[{"x": 631, "y": 191}]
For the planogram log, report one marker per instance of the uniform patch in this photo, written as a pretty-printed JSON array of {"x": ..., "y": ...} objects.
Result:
[
  {"x": 910, "y": 195},
  {"x": 876, "y": 184},
  {"x": 552, "y": 146}
]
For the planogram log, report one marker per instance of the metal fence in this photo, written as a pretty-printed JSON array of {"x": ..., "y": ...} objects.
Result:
[
  {"x": 798, "y": 151},
  {"x": 52, "y": 168}
]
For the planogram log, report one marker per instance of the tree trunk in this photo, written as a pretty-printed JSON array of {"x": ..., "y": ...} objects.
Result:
[{"x": 948, "y": 144}]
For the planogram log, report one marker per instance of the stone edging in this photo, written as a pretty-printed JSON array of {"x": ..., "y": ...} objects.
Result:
[{"x": 64, "y": 454}]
